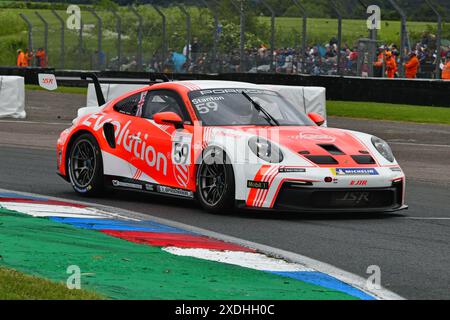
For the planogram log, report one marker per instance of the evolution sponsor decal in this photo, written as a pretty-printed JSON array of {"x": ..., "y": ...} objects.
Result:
[
  {"x": 354, "y": 172},
  {"x": 136, "y": 145}
]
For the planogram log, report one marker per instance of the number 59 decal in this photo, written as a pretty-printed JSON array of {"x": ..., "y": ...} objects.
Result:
[
  {"x": 181, "y": 148},
  {"x": 206, "y": 107}
]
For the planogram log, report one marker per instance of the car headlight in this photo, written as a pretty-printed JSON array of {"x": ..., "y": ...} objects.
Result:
[
  {"x": 383, "y": 148},
  {"x": 265, "y": 150}
]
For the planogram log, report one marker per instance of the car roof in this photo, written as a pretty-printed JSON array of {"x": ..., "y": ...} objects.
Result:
[{"x": 193, "y": 85}]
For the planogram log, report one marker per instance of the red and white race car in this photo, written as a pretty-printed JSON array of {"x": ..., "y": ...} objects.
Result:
[{"x": 228, "y": 144}]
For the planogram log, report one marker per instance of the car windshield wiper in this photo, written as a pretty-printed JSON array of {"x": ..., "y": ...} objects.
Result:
[{"x": 258, "y": 107}]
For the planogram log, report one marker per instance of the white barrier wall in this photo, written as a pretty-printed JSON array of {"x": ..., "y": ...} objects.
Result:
[
  {"x": 307, "y": 99},
  {"x": 110, "y": 91},
  {"x": 12, "y": 97}
]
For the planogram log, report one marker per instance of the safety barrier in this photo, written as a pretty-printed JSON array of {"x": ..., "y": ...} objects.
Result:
[{"x": 399, "y": 91}]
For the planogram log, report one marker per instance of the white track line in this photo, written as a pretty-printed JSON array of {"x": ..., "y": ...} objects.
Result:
[
  {"x": 420, "y": 144},
  {"x": 428, "y": 218},
  {"x": 342, "y": 275},
  {"x": 37, "y": 122}
]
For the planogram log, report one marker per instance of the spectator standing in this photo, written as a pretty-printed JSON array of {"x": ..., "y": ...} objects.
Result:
[
  {"x": 378, "y": 65},
  {"x": 412, "y": 66},
  {"x": 446, "y": 68},
  {"x": 21, "y": 60},
  {"x": 41, "y": 58},
  {"x": 195, "y": 49},
  {"x": 29, "y": 58},
  {"x": 391, "y": 65}
]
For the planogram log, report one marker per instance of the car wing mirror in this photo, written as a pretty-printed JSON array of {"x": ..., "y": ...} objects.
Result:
[
  {"x": 316, "y": 118},
  {"x": 165, "y": 118}
]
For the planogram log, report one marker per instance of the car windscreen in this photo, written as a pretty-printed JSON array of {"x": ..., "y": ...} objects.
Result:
[{"x": 229, "y": 107}]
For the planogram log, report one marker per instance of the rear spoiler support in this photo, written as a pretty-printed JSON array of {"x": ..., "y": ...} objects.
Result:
[{"x": 98, "y": 89}]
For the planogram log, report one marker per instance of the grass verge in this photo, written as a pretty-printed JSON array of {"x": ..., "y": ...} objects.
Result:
[
  {"x": 75, "y": 90},
  {"x": 18, "y": 286},
  {"x": 386, "y": 111}
]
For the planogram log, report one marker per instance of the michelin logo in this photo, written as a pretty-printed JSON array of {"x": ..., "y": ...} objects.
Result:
[{"x": 354, "y": 172}]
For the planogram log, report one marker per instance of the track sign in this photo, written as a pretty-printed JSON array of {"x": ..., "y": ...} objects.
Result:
[{"x": 47, "y": 81}]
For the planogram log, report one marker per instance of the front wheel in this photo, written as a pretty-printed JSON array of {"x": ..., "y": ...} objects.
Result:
[
  {"x": 215, "y": 181},
  {"x": 85, "y": 166}
]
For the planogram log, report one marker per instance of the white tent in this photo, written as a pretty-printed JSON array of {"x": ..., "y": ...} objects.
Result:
[{"x": 12, "y": 97}]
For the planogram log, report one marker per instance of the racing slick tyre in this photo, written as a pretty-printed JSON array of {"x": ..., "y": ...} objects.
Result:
[
  {"x": 85, "y": 166},
  {"x": 215, "y": 181}
]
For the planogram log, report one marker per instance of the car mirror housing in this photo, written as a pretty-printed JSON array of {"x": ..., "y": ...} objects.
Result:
[
  {"x": 316, "y": 118},
  {"x": 172, "y": 118}
]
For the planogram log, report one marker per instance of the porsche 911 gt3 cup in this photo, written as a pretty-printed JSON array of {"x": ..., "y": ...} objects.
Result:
[{"x": 228, "y": 144}]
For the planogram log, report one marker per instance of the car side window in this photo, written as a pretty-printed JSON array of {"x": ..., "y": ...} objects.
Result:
[
  {"x": 163, "y": 101},
  {"x": 130, "y": 105}
]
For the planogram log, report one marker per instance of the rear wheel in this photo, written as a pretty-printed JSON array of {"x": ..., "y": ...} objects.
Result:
[
  {"x": 85, "y": 166},
  {"x": 215, "y": 181}
]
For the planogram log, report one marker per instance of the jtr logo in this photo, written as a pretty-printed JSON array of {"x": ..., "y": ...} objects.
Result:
[
  {"x": 357, "y": 197},
  {"x": 358, "y": 182}
]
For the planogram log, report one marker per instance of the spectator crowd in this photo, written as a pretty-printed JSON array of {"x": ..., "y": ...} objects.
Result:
[
  {"x": 30, "y": 58},
  {"x": 321, "y": 59},
  {"x": 316, "y": 60}
]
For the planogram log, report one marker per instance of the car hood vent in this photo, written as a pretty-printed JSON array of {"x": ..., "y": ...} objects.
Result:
[
  {"x": 322, "y": 159},
  {"x": 364, "y": 159},
  {"x": 331, "y": 148}
]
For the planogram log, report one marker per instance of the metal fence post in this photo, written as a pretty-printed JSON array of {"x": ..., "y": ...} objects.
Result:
[
  {"x": 80, "y": 37},
  {"x": 339, "y": 15},
  {"x": 371, "y": 48},
  {"x": 438, "y": 39},
  {"x": 240, "y": 8},
  {"x": 45, "y": 30},
  {"x": 402, "y": 35},
  {"x": 215, "y": 31},
  {"x": 61, "y": 53},
  {"x": 304, "y": 33},
  {"x": 30, "y": 33},
  {"x": 164, "y": 34},
  {"x": 119, "y": 37},
  {"x": 99, "y": 37},
  {"x": 139, "y": 52},
  {"x": 188, "y": 31},
  {"x": 272, "y": 32}
]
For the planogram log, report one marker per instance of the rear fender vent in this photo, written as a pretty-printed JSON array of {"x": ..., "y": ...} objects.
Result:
[
  {"x": 322, "y": 159},
  {"x": 331, "y": 148},
  {"x": 363, "y": 159}
]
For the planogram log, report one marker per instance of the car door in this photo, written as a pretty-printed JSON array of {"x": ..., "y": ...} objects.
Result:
[
  {"x": 164, "y": 153},
  {"x": 118, "y": 151}
]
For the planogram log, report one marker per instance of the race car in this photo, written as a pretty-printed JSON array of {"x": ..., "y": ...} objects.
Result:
[{"x": 227, "y": 145}]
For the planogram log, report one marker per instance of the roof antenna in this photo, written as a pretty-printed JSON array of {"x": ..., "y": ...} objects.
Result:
[{"x": 161, "y": 76}]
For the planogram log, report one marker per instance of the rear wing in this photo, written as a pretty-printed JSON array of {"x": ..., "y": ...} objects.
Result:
[{"x": 113, "y": 88}]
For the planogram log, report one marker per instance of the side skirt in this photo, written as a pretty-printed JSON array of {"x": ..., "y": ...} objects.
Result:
[{"x": 121, "y": 183}]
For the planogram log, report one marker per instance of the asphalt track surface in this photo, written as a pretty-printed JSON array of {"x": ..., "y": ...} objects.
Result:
[{"x": 411, "y": 248}]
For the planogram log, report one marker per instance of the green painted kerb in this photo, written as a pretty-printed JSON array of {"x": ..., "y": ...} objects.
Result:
[{"x": 123, "y": 270}]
